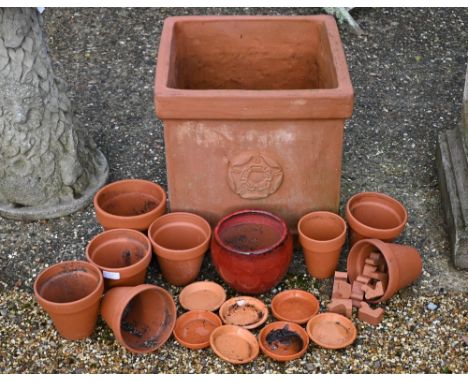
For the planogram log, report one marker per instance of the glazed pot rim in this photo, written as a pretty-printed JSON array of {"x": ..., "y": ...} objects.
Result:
[
  {"x": 338, "y": 240},
  {"x": 284, "y": 232},
  {"x": 353, "y": 221},
  {"x": 145, "y": 259},
  {"x": 68, "y": 306},
  {"x": 109, "y": 186}
]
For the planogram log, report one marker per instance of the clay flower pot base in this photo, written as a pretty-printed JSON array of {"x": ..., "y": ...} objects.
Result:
[
  {"x": 234, "y": 344},
  {"x": 193, "y": 329},
  {"x": 283, "y": 341},
  {"x": 244, "y": 311},
  {"x": 129, "y": 203},
  {"x": 202, "y": 295},
  {"x": 331, "y": 330},
  {"x": 294, "y": 306}
]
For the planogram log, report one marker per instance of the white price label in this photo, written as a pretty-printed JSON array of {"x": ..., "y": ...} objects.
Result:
[{"x": 111, "y": 275}]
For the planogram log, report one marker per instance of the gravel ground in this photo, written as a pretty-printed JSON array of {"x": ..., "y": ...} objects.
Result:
[{"x": 408, "y": 73}]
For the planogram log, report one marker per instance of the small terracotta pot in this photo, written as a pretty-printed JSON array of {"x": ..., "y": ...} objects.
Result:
[
  {"x": 294, "y": 305},
  {"x": 403, "y": 263},
  {"x": 283, "y": 341},
  {"x": 180, "y": 240},
  {"x": 141, "y": 317},
  {"x": 331, "y": 330},
  {"x": 251, "y": 250},
  {"x": 129, "y": 203},
  {"x": 193, "y": 329},
  {"x": 202, "y": 295},
  {"x": 244, "y": 311},
  {"x": 373, "y": 215},
  {"x": 70, "y": 292},
  {"x": 123, "y": 255},
  {"x": 322, "y": 235},
  {"x": 234, "y": 344}
]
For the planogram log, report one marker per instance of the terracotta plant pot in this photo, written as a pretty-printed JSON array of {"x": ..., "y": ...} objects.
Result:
[
  {"x": 403, "y": 264},
  {"x": 123, "y": 255},
  {"x": 246, "y": 100},
  {"x": 322, "y": 235},
  {"x": 180, "y": 240},
  {"x": 193, "y": 329},
  {"x": 331, "y": 330},
  {"x": 202, "y": 295},
  {"x": 234, "y": 344},
  {"x": 251, "y": 250},
  {"x": 373, "y": 215},
  {"x": 141, "y": 317},
  {"x": 283, "y": 341},
  {"x": 70, "y": 292},
  {"x": 129, "y": 203},
  {"x": 294, "y": 305},
  {"x": 244, "y": 311}
]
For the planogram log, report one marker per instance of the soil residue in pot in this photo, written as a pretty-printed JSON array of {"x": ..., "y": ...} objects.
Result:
[
  {"x": 250, "y": 237},
  {"x": 243, "y": 314},
  {"x": 284, "y": 341}
]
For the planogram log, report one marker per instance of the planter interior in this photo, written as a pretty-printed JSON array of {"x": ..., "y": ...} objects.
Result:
[{"x": 283, "y": 341}]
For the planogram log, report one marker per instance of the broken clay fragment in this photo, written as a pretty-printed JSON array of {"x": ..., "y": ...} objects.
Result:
[
  {"x": 341, "y": 276},
  {"x": 357, "y": 294},
  {"x": 375, "y": 292},
  {"x": 341, "y": 289},
  {"x": 369, "y": 315},
  {"x": 376, "y": 256},
  {"x": 368, "y": 270},
  {"x": 341, "y": 306},
  {"x": 379, "y": 276},
  {"x": 363, "y": 280}
]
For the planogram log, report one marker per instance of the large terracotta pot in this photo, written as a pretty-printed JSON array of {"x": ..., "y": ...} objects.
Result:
[
  {"x": 129, "y": 203},
  {"x": 251, "y": 250},
  {"x": 373, "y": 215},
  {"x": 180, "y": 241},
  {"x": 141, "y": 317},
  {"x": 123, "y": 255},
  {"x": 257, "y": 105},
  {"x": 322, "y": 235},
  {"x": 70, "y": 292},
  {"x": 403, "y": 264}
]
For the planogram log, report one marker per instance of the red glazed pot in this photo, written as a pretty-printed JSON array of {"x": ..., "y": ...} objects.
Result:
[
  {"x": 123, "y": 255},
  {"x": 373, "y": 215},
  {"x": 129, "y": 203},
  {"x": 251, "y": 250},
  {"x": 403, "y": 263},
  {"x": 70, "y": 292}
]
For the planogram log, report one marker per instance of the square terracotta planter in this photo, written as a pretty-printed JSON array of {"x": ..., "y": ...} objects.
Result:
[{"x": 254, "y": 111}]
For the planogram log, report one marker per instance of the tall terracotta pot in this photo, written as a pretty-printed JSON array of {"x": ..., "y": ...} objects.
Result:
[
  {"x": 141, "y": 317},
  {"x": 322, "y": 235},
  {"x": 70, "y": 292},
  {"x": 403, "y": 263},
  {"x": 180, "y": 240}
]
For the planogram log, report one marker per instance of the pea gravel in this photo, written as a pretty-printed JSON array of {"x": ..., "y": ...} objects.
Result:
[{"x": 408, "y": 72}]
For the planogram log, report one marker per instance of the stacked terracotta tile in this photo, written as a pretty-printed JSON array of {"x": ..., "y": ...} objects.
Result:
[{"x": 369, "y": 285}]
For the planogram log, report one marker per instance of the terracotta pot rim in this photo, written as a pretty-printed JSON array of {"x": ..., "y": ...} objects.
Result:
[
  {"x": 71, "y": 306},
  {"x": 284, "y": 232},
  {"x": 295, "y": 327},
  {"x": 335, "y": 317},
  {"x": 385, "y": 233},
  {"x": 245, "y": 333},
  {"x": 133, "y": 268},
  {"x": 210, "y": 316},
  {"x": 253, "y": 300},
  {"x": 176, "y": 254},
  {"x": 310, "y": 243},
  {"x": 309, "y": 296},
  {"x": 107, "y": 187}
]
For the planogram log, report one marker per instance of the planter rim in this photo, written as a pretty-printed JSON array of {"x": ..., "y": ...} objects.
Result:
[
  {"x": 135, "y": 267},
  {"x": 126, "y": 181},
  {"x": 281, "y": 102},
  {"x": 282, "y": 296},
  {"x": 72, "y": 306},
  {"x": 195, "y": 314},
  {"x": 308, "y": 242},
  {"x": 284, "y": 232}
]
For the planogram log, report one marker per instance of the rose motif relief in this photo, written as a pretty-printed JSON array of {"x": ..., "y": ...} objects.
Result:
[{"x": 254, "y": 175}]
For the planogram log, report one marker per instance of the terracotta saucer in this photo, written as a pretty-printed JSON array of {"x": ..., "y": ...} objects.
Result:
[
  {"x": 331, "y": 330},
  {"x": 283, "y": 341},
  {"x": 234, "y": 344},
  {"x": 294, "y": 305},
  {"x": 202, "y": 295},
  {"x": 244, "y": 311},
  {"x": 193, "y": 329}
]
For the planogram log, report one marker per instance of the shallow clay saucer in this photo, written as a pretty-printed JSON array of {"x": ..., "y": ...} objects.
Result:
[
  {"x": 283, "y": 341},
  {"x": 331, "y": 330},
  {"x": 193, "y": 329},
  {"x": 234, "y": 344},
  {"x": 202, "y": 295},
  {"x": 244, "y": 311},
  {"x": 294, "y": 305}
]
